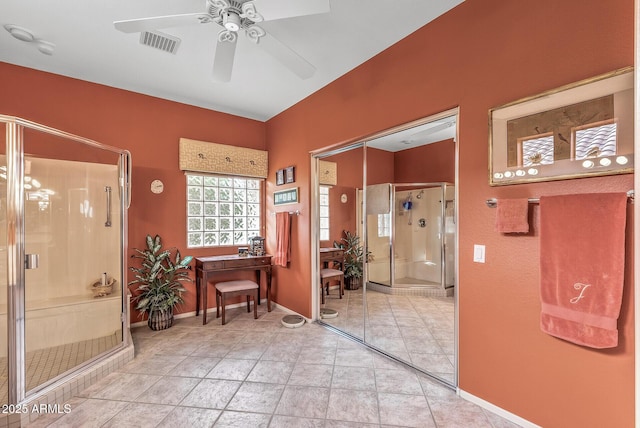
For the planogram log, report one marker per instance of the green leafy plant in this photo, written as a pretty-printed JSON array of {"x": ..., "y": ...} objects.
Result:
[
  {"x": 353, "y": 254},
  {"x": 159, "y": 278}
]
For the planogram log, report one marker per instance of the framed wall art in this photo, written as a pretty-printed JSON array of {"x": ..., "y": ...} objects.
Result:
[
  {"x": 279, "y": 177},
  {"x": 284, "y": 197},
  {"x": 290, "y": 174},
  {"x": 579, "y": 130}
]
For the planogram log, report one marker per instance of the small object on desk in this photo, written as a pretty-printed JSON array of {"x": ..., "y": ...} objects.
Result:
[
  {"x": 256, "y": 246},
  {"x": 243, "y": 251}
]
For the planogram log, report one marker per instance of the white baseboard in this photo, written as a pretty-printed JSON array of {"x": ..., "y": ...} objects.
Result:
[
  {"x": 235, "y": 305},
  {"x": 497, "y": 410}
]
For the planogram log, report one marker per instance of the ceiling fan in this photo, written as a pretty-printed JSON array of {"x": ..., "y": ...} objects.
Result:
[{"x": 236, "y": 15}]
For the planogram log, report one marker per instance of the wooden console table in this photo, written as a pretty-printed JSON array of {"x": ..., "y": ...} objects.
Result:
[
  {"x": 206, "y": 267},
  {"x": 331, "y": 255}
]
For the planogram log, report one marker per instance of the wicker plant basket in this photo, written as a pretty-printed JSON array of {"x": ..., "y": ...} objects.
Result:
[
  {"x": 159, "y": 320},
  {"x": 352, "y": 283}
]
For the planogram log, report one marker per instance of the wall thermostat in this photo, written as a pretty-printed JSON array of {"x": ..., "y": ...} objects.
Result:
[{"x": 157, "y": 186}]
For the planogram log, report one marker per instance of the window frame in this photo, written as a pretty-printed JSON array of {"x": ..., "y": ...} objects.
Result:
[{"x": 248, "y": 232}]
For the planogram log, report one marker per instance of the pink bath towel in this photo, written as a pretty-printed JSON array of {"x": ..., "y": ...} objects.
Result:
[
  {"x": 582, "y": 254},
  {"x": 512, "y": 216},
  {"x": 283, "y": 239}
]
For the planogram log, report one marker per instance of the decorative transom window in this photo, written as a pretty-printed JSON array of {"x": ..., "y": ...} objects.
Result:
[
  {"x": 537, "y": 150},
  {"x": 222, "y": 210},
  {"x": 596, "y": 140},
  {"x": 324, "y": 213}
]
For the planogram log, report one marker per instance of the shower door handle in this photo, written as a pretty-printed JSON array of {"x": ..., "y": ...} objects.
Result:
[
  {"x": 108, "y": 222},
  {"x": 31, "y": 261}
]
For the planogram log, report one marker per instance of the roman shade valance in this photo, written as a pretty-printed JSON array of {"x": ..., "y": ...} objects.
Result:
[
  {"x": 201, "y": 156},
  {"x": 327, "y": 173}
]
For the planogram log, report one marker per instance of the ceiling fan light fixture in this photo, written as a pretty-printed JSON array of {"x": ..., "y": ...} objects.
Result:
[{"x": 231, "y": 21}]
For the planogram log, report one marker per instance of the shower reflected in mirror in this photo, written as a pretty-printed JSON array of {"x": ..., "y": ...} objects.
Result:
[{"x": 403, "y": 216}]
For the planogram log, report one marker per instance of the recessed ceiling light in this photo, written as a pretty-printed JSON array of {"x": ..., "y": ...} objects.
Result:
[
  {"x": 20, "y": 33},
  {"x": 45, "y": 47}
]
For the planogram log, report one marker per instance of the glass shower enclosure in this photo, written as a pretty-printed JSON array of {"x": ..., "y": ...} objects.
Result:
[
  {"x": 411, "y": 238},
  {"x": 63, "y": 201}
]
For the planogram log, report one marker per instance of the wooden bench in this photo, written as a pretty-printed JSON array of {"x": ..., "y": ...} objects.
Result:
[
  {"x": 243, "y": 287},
  {"x": 326, "y": 276}
]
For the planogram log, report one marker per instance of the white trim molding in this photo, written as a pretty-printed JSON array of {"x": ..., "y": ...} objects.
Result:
[{"x": 497, "y": 410}]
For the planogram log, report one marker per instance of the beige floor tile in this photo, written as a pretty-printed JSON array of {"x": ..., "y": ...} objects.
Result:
[
  {"x": 232, "y": 369},
  {"x": 401, "y": 381},
  {"x": 169, "y": 390},
  {"x": 190, "y": 417},
  {"x": 252, "y": 373},
  {"x": 271, "y": 372},
  {"x": 140, "y": 415},
  {"x": 303, "y": 401},
  {"x": 256, "y": 397},
  {"x": 354, "y": 357},
  {"x": 314, "y": 355},
  {"x": 195, "y": 366},
  {"x": 90, "y": 413},
  {"x": 405, "y": 410},
  {"x": 279, "y": 421},
  {"x": 126, "y": 386},
  {"x": 230, "y": 419},
  {"x": 311, "y": 375},
  {"x": 361, "y": 378},
  {"x": 211, "y": 394},
  {"x": 353, "y": 406}
]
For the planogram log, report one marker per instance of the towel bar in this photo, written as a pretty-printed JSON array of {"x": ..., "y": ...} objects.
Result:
[
  {"x": 493, "y": 202},
  {"x": 296, "y": 212}
]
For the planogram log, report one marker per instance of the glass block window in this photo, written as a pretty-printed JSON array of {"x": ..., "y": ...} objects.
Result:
[
  {"x": 596, "y": 141},
  {"x": 222, "y": 210},
  {"x": 537, "y": 150},
  {"x": 384, "y": 225},
  {"x": 324, "y": 213}
]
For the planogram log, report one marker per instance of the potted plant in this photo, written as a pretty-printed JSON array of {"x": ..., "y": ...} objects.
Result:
[
  {"x": 353, "y": 259},
  {"x": 159, "y": 280}
]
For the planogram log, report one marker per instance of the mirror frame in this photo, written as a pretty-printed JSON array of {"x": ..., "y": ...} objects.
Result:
[{"x": 553, "y": 111}]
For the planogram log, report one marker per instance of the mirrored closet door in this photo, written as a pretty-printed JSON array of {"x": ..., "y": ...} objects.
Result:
[{"x": 396, "y": 224}]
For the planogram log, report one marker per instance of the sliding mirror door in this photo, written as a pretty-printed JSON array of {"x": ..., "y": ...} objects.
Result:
[
  {"x": 388, "y": 204},
  {"x": 410, "y": 230},
  {"x": 339, "y": 181}
]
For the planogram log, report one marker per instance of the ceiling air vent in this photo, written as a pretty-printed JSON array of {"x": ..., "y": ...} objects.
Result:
[{"x": 159, "y": 40}]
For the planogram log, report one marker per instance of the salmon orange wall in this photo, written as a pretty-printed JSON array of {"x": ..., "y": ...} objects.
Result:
[
  {"x": 482, "y": 54},
  {"x": 435, "y": 162},
  {"x": 150, "y": 128}
]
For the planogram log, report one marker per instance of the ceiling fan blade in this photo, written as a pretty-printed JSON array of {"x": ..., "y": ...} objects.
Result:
[
  {"x": 146, "y": 24},
  {"x": 223, "y": 60},
  {"x": 286, "y": 56},
  {"x": 279, "y": 9}
]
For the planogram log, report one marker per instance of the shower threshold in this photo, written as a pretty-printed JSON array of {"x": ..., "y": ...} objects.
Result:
[
  {"x": 45, "y": 364},
  {"x": 424, "y": 288}
]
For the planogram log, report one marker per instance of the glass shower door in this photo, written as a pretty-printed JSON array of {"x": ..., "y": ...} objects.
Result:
[
  {"x": 73, "y": 247},
  {"x": 379, "y": 234},
  {"x": 4, "y": 372}
]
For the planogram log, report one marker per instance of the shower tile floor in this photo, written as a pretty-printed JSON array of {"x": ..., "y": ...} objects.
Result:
[
  {"x": 414, "y": 328},
  {"x": 45, "y": 364},
  {"x": 258, "y": 373}
]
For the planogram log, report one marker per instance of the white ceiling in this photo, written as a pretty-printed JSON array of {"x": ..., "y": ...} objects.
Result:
[{"x": 88, "y": 47}]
